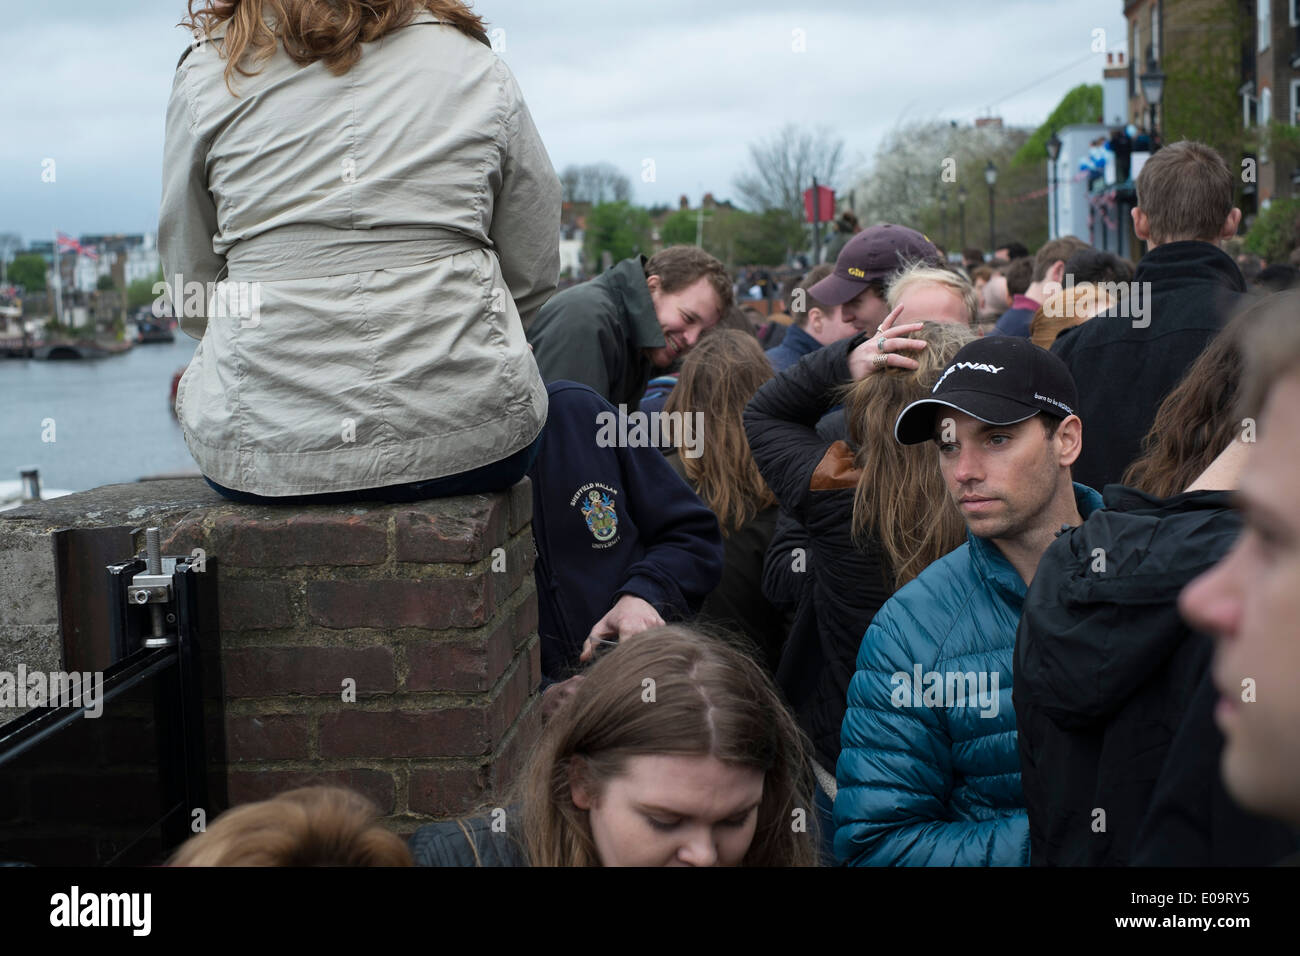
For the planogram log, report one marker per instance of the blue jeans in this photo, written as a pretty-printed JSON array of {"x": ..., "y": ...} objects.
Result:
[{"x": 497, "y": 476}]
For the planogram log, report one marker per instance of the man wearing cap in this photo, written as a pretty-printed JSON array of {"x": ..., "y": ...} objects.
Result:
[
  {"x": 929, "y": 770},
  {"x": 863, "y": 267}
]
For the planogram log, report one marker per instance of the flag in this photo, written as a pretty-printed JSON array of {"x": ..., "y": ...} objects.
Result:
[{"x": 68, "y": 244}]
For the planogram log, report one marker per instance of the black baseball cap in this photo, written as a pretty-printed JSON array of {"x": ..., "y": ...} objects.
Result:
[
  {"x": 999, "y": 379},
  {"x": 874, "y": 253}
]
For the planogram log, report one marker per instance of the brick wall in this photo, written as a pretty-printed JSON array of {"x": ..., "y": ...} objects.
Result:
[{"x": 390, "y": 648}]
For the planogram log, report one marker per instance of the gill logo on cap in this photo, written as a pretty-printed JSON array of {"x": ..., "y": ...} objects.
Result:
[
  {"x": 857, "y": 273},
  {"x": 973, "y": 366}
]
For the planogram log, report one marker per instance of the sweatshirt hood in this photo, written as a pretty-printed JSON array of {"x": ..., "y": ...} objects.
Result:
[{"x": 1101, "y": 616}]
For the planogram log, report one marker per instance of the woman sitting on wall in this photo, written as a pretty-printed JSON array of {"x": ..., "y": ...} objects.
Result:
[{"x": 356, "y": 212}]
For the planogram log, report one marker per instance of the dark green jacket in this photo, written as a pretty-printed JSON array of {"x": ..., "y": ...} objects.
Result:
[
  {"x": 594, "y": 334},
  {"x": 468, "y": 842}
]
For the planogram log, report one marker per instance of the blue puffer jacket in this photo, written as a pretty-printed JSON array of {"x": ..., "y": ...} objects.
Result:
[{"x": 933, "y": 778}]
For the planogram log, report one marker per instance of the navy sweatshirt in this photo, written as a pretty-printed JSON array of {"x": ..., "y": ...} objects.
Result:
[{"x": 610, "y": 521}]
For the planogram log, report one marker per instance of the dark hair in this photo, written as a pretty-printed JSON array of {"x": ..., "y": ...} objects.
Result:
[
  {"x": 1053, "y": 251},
  {"x": 737, "y": 319},
  {"x": 1198, "y": 419},
  {"x": 680, "y": 266},
  {"x": 1093, "y": 265},
  {"x": 815, "y": 275},
  {"x": 1277, "y": 278},
  {"x": 1015, "y": 250},
  {"x": 1018, "y": 273},
  {"x": 972, "y": 254}
]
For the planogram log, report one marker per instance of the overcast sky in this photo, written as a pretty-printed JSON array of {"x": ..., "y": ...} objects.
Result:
[{"x": 687, "y": 83}]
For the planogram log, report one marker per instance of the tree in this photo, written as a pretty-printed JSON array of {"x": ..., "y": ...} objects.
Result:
[
  {"x": 104, "y": 283},
  {"x": 783, "y": 166},
  {"x": 766, "y": 239},
  {"x": 140, "y": 292},
  {"x": 679, "y": 229},
  {"x": 595, "y": 183},
  {"x": 619, "y": 228},
  {"x": 28, "y": 271},
  {"x": 1081, "y": 105},
  {"x": 917, "y": 163}
]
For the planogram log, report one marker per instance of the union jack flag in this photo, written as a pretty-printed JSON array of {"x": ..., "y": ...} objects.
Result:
[{"x": 68, "y": 244}]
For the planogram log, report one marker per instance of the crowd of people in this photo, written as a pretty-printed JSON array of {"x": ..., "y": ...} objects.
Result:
[{"x": 984, "y": 564}]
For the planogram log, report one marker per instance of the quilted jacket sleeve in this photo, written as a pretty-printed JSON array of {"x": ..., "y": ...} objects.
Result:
[{"x": 895, "y": 771}]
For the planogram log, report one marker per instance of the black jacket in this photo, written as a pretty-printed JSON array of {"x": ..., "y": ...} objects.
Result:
[
  {"x": 737, "y": 603},
  {"x": 1193, "y": 821},
  {"x": 644, "y": 532},
  {"x": 813, "y": 480},
  {"x": 594, "y": 334},
  {"x": 470, "y": 842},
  {"x": 1124, "y": 373},
  {"x": 1105, "y": 668}
]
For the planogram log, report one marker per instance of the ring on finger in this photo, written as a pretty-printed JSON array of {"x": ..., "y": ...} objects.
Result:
[
  {"x": 880, "y": 359},
  {"x": 880, "y": 344}
]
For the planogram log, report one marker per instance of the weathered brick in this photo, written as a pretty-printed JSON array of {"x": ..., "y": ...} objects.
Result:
[
  {"x": 266, "y": 737},
  {"x": 512, "y": 757},
  {"x": 323, "y": 537},
  {"x": 457, "y": 530},
  {"x": 275, "y": 671},
  {"x": 247, "y": 605},
  {"x": 446, "y": 793},
  {"x": 186, "y": 536},
  {"x": 461, "y": 665},
  {"x": 451, "y": 732},
  {"x": 403, "y": 602},
  {"x": 246, "y": 786},
  {"x": 510, "y": 702},
  {"x": 521, "y": 504},
  {"x": 526, "y": 617}
]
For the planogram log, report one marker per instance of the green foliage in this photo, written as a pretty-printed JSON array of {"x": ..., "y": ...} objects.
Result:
[
  {"x": 767, "y": 238},
  {"x": 140, "y": 292},
  {"x": 679, "y": 229},
  {"x": 1274, "y": 233},
  {"x": 28, "y": 271},
  {"x": 105, "y": 284},
  {"x": 619, "y": 228},
  {"x": 1081, "y": 105}
]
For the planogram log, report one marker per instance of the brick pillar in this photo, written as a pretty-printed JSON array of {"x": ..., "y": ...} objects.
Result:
[{"x": 390, "y": 648}]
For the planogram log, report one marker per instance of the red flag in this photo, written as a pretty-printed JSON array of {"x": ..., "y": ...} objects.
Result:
[{"x": 825, "y": 206}]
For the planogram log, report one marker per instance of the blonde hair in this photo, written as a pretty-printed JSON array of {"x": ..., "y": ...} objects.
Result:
[
  {"x": 311, "y": 30},
  {"x": 901, "y": 499},
  {"x": 1053, "y": 317},
  {"x": 710, "y": 699},
  {"x": 920, "y": 273},
  {"x": 310, "y": 826},
  {"x": 719, "y": 377}
]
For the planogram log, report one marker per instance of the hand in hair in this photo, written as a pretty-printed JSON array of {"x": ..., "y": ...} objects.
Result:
[
  {"x": 870, "y": 357},
  {"x": 629, "y": 615}
]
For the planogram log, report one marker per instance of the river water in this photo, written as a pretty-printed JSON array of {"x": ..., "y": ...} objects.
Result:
[{"x": 112, "y": 417}]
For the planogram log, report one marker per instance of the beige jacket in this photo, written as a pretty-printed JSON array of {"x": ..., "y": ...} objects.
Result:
[{"x": 380, "y": 235}]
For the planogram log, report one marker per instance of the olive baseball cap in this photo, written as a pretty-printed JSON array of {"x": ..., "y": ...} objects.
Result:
[{"x": 873, "y": 254}]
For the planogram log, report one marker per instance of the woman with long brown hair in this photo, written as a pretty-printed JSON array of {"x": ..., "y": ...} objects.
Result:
[
  {"x": 674, "y": 751},
  {"x": 718, "y": 378},
  {"x": 357, "y": 214},
  {"x": 874, "y": 515}
]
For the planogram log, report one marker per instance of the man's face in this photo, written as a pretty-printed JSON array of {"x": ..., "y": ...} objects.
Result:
[
  {"x": 1002, "y": 255},
  {"x": 933, "y": 303},
  {"x": 831, "y": 326},
  {"x": 684, "y": 316},
  {"x": 1250, "y": 602},
  {"x": 866, "y": 310},
  {"x": 1003, "y": 478},
  {"x": 674, "y": 810}
]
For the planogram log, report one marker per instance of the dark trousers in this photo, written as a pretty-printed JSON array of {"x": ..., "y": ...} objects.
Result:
[{"x": 497, "y": 476}]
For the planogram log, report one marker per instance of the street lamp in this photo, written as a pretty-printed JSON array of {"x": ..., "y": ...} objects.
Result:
[
  {"x": 961, "y": 206},
  {"x": 1153, "y": 88},
  {"x": 943, "y": 217},
  {"x": 991, "y": 177},
  {"x": 1054, "y": 182}
]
